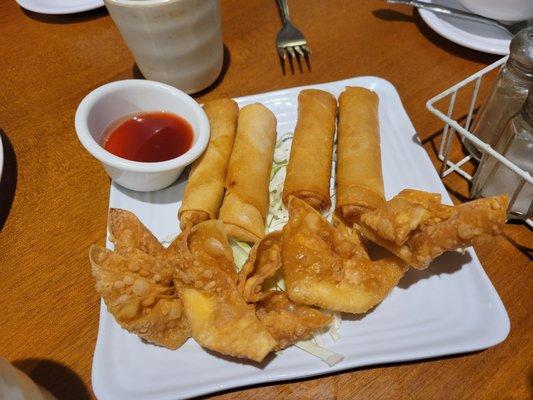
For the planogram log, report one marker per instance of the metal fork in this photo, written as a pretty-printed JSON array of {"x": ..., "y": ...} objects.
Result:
[{"x": 290, "y": 40}]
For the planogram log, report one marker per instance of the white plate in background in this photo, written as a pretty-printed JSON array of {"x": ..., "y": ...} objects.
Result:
[
  {"x": 60, "y": 6},
  {"x": 474, "y": 35},
  {"x": 450, "y": 308}
]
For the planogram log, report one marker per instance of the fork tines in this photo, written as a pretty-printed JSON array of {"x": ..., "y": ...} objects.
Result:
[{"x": 293, "y": 51}]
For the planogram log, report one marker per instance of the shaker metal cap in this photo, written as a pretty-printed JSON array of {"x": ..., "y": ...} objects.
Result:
[{"x": 521, "y": 49}]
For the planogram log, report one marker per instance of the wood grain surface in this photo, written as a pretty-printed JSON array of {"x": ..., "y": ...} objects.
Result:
[{"x": 54, "y": 195}]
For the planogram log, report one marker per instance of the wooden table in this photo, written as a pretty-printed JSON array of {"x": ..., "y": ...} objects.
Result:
[{"x": 54, "y": 195}]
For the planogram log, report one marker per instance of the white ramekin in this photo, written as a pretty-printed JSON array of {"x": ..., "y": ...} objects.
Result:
[{"x": 118, "y": 99}]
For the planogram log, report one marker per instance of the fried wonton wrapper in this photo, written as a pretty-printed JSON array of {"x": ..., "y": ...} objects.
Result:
[
  {"x": 286, "y": 321},
  {"x": 262, "y": 264},
  {"x": 328, "y": 266},
  {"x": 128, "y": 234},
  {"x": 417, "y": 228},
  {"x": 219, "y": 318},
  {"x": 138, "y": 291}
]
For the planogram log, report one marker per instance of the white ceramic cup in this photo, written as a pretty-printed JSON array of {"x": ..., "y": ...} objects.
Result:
[
  {"x": 503, "y": 10},
  {"x": 115, "y": 100},
  {"x": 178, "y": 42}
]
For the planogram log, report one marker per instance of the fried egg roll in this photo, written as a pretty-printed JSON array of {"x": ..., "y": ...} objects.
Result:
[
  {"x": 359, "y": 176},
  {"x": 246, "y": 200},
  {"x": 205, "y": 189},
  {"x": 309, "y": 169}
]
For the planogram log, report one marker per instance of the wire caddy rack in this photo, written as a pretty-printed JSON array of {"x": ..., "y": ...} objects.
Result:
[{"x": 453, "y": 129}]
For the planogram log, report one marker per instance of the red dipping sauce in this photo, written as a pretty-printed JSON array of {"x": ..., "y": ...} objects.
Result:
[{"x": 149, "y": 137}]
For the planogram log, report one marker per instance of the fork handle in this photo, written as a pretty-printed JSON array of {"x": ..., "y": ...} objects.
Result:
[
  {"x": 284, "y": 10},
  {"x": 448, "y": 11}
]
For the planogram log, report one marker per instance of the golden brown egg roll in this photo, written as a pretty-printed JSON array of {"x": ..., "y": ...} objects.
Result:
[
  {"x": 205, "y": 189},
  {"x": 359, "y": 176},
  {"x": 246, "y": 200},
  {"x": 309, "y": 169}
]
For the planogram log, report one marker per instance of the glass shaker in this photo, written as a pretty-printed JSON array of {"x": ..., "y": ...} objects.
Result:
[
  {"x": 515, "y": 144},
  {"x": 508, "y": 95}
]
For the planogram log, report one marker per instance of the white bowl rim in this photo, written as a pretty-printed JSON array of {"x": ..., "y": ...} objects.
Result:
[{"x": 104, "y": 156}]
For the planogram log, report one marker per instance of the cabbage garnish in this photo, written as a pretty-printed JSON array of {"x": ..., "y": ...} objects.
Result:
[
  {"x": 240, "y": 252},
  {"x": 328, "y": 356}
]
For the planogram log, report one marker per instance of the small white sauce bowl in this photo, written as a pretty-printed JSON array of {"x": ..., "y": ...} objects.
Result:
[{"x": 115, "y": 100}]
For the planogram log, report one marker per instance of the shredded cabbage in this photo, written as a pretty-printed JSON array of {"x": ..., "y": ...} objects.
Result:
[
  {"x": 335, "y": 326},
  {"x": 240, "y": 252},
  {"x": 277, "y": 213},
  {"x": 328, "y": 356}
]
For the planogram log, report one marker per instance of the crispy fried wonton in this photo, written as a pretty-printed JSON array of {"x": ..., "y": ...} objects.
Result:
[
  {"x": 286, "y": 321},
  {"x": 328, "y": 266},
  {"x": 138, "y": 292},
  {"x": 263, "y": 262},
  {"x": 136, "y": 282},
  {"x": 128, "y": 233},
  {"x": 219, "y": 318},
  {"x": 416, "y": 227}
]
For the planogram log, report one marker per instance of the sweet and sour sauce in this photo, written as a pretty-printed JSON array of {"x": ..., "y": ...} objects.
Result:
[{"x": 149, "y": 137}]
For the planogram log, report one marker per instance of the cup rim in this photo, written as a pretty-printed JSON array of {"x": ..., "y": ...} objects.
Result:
[{"x": 108, "y": 158}]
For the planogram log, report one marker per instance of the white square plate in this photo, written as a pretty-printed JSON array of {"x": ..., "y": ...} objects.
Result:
[{"x": 450, "y": 308}]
